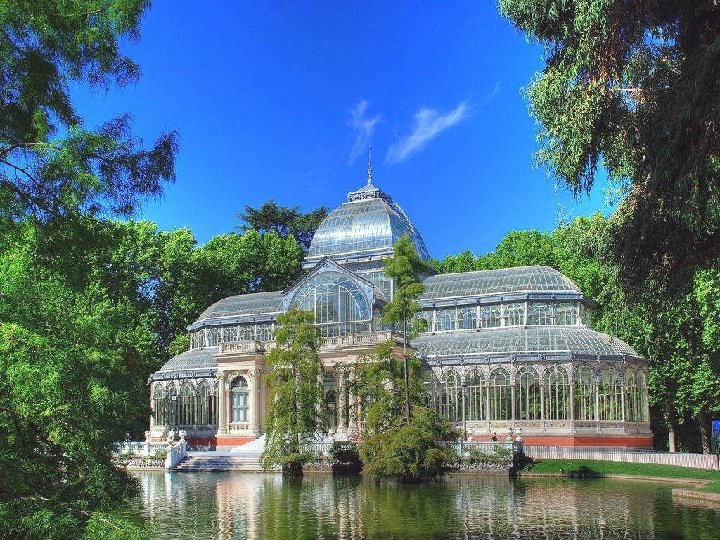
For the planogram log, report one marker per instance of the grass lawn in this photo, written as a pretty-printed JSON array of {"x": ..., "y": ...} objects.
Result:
[{"x": 601, "y": 468}]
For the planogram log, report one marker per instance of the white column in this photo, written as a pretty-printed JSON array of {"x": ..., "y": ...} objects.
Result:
[{"x": 222, "y": 403}]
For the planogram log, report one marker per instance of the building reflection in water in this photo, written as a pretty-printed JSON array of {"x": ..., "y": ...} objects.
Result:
[{"x": 237, "y": 505}]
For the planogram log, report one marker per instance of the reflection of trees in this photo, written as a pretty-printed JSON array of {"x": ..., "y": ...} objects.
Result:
[{"x": 228, "y": 505}]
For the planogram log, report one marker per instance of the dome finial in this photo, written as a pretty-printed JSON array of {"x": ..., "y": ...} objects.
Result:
[{"x": 369, "y": 178}]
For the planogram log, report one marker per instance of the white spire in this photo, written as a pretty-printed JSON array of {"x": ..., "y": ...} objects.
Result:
[{"x": 369, "y": 177}]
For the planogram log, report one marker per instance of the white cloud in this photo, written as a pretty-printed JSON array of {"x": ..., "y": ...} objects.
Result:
[
  {"x": 363, "y": 129},
  {"x": 428, "y": 125}
]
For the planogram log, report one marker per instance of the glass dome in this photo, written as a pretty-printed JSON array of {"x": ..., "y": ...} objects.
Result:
[{"x": 367, "y": 224}]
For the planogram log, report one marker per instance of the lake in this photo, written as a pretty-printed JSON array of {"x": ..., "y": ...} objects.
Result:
[{"x": 241, "y": 505}]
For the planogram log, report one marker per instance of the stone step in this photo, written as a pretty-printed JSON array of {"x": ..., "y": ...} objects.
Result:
[{"x": 219, "y": 463}]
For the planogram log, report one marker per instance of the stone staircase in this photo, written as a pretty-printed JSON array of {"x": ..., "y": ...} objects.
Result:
[{"x": 241, "y": 458}]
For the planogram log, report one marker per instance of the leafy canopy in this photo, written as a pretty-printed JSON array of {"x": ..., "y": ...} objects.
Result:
[
  {"x": 296, "y": 397},
  {"x": 630, "y": 88},
  {"x": 284, "y": 221}
]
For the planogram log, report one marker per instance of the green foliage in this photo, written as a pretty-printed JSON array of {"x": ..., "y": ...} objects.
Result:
[
  {"x": 601, "y": 468},
  {"x": 77, "y": 334},
  {"x": 391, "y": 447},
  {"x": 296, "y": 396},
  {"x": 407, "y": 269},
  {"x": 629, "y": 88},
  {"x": 409, "y": 452},
  {"x": 283, "y": 221}
]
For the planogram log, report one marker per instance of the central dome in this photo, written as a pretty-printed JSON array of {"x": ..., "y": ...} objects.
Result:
[{"x": 368, "y": 224}]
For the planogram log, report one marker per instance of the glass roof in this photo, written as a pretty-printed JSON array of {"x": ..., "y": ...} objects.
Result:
[
  {"x": 520, "y": 339},
  {"x": 193, "y": 359},
  {"x": 368, "y": 222},
  {"x": 506, "y": 280},
  {"x": 245, "y": 304}
]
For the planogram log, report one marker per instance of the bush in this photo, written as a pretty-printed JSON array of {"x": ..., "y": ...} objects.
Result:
[
  {"x": 160, "y": 454},
  {"x": 412, "y": 452}
]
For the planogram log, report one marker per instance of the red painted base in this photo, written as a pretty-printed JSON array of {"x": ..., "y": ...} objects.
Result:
[
  {"x": 620, "y": 441},
  {"x": 219, "y": 441}
]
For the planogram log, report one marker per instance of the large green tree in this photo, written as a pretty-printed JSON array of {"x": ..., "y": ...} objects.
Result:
[
  {"x": 284, "y": 221},
  {"x": 296, "y": 398},
  {"x": 630, "y": 88},
  {"x": 393, "y": 446},
  {"x": 406, "y": 268},
  {"x": 71, "y": 342}
]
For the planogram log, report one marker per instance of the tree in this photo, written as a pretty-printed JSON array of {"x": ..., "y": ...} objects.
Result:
[
  {"x": 72, "y": 343},
  {"x": 295, "y": 415},
  {"x": 630, "y": 88},
  {"x": 391, "y": 445},
  {"x": 406, "y": 268},
  {"x": 284, "y": 221}
]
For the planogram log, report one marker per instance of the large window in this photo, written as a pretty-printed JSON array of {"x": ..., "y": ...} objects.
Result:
[
  {"x": 527, "y": 395},
  {"x": 609, "y": 395},
  {"x": 557, "y": 395},
  {"x": 239, "y": 400},
  {"x": 515, "y": 314},
  {"x": 468, "y": 318},
  {"x": 340, "y": 307},
  {"x": 160, "y": 406},
  {"x": 499, "y": 395},
  {"x": 540, "y": 313},
  {"x": 451, "y": 398},
  {"x": 566, "y": 313},
  {"x": 489, "y": 316},
  {"x": 445, "y": 319},
  {"x": 206, "y": 405},
  {"x": 185, "y": 406},
  {"x": 584, "y": 390},
  {"x": 475, "y": 399}
]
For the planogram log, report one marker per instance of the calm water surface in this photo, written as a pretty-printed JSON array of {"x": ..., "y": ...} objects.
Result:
[{"x": 237, "y": 505}]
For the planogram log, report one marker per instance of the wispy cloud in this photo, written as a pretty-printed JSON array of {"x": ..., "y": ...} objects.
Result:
[
  {"x": 428, "y": 125},
  {"x": 362, "y": 128}
]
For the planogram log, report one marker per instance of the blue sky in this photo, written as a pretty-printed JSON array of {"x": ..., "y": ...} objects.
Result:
[{"x": 279, "y": 100}]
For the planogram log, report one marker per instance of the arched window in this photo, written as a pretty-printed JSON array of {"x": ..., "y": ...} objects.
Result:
[
  {"x": 584, "y": 390},
  {"x": 213, "y": 336},
  {"x": 431, "y": 391},
  {"x": 446, "y": 319},
  {"x": 557, "y": 395},
  {"x": 468, "y": 318},
  {"x": 263, "y": 332},
  {"x": 185, "y": 406},
  {"x": 246, "y": 332},
  {"x": 206, "y": 405},
  {"x": 339, "y": 305},
  {"x": 489, "y": 316},
  {"x": 642, "y": 397},
  {"x": 515, "y": 314},
  {"x": 160, "y": 405},
  {"x": 239, "y": 400},
  {"x": 609, "y": 395},
  {"x": 229, "y": 334},
  {"x": 475, "y": 398},
  {"x": 499, "y": 395},
  {"x": 527, "y": 395},
  {"x": 540, "y": 313},
  {"x": 566, "y": 313},
  {"x": 451, "y": 398}
]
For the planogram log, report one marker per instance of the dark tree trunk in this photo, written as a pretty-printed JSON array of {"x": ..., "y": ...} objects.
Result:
[
  {"x": 704, "y": 426},
  {"x": 293, "y": 469}
]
